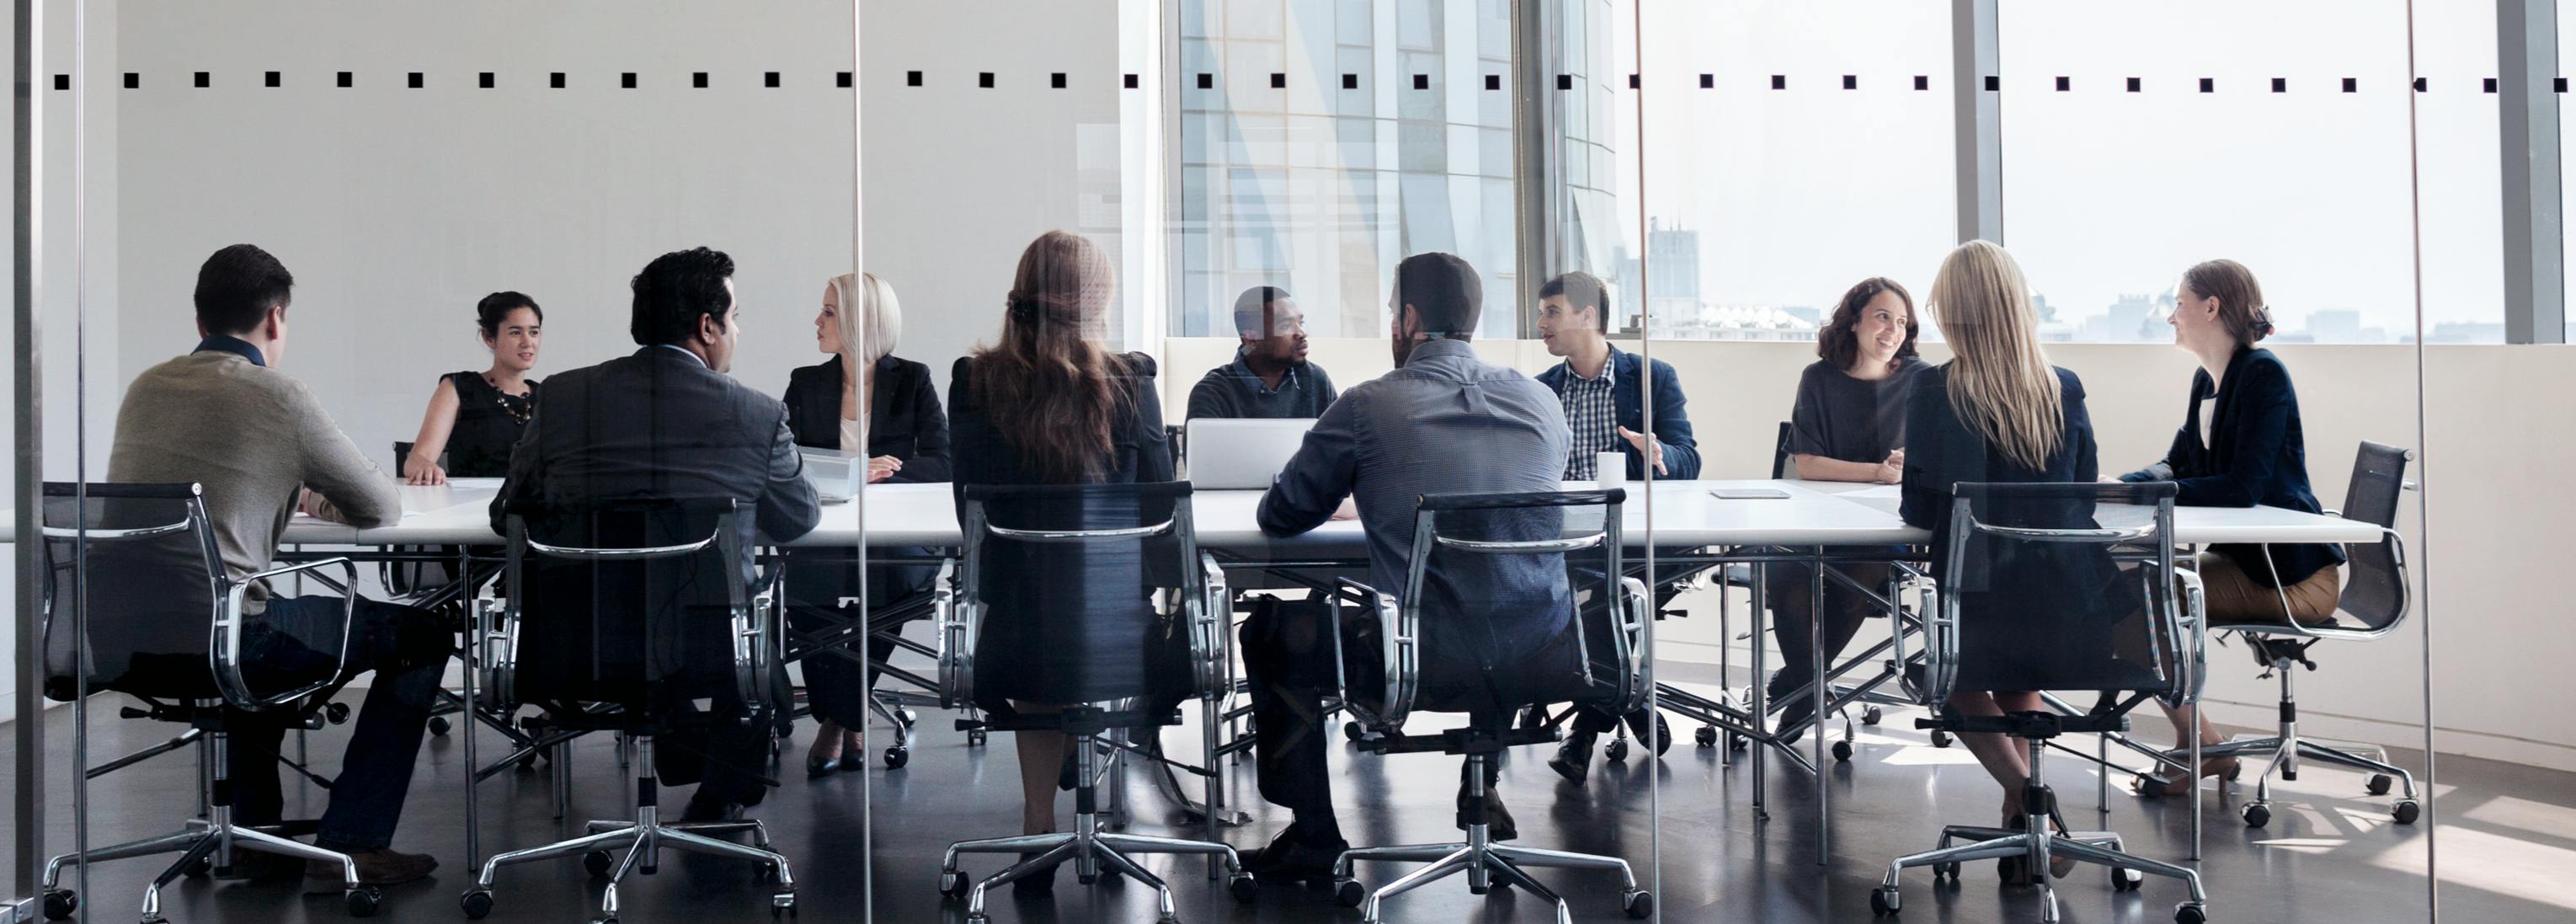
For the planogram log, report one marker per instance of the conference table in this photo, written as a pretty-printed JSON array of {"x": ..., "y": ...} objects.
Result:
[{"x": 1805, "y": 526}]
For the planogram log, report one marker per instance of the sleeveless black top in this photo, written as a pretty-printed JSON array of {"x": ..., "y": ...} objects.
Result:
[{"x": 488, "y": 423}]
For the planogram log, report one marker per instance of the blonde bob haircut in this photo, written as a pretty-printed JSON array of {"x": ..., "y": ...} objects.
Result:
[{"x": 878, "y": 320}]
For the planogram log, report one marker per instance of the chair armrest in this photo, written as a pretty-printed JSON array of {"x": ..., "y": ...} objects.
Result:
[
  {"x": 1636, "y": 663},
  {"x": 1399, "y": 647},
  {"x": 959, "y": 621},
  {"x": 1210, "y": 622},
  {"x": 224, "y": 641},
  {"x": 492, "y": 632}
]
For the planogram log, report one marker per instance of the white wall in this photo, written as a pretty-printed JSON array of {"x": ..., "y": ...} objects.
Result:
[{"x": 2500, "y": 631}]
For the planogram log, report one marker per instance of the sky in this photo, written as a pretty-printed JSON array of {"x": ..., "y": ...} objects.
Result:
[{"x": 1800, "y": 192}]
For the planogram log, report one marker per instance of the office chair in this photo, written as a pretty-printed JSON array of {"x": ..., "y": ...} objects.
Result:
[
  {"x": 1103, "y": 546},
  {"x": 165, "y": 626},
  {"x": 2376, "y": 598},
  {"x": 616, "y": 615},
  {"x": 1456, "y": 528},
  {"x": 2030, "y": 598}
]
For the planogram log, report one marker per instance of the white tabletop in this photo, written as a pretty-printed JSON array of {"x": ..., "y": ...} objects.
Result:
[{"x": 1684, "y": 513}]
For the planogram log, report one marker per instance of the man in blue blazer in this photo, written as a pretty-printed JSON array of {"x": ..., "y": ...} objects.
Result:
[
  {"x": 1603, "y": 391},
  {"x": 1604, "y": 388}
]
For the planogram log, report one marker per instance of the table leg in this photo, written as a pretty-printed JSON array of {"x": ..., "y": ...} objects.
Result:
[{"x": 1816, "y": 726}]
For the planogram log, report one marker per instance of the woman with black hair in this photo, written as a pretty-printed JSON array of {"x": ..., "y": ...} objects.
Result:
[{"x": 475, "y": 417}]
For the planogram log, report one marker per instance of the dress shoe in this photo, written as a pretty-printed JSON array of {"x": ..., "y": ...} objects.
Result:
[
  {"x": 1573, "y": 759},
  {"x": 817, "y": 766},
  {"x": 1040, "y": 881},
  {"x": 251, "y": 864},
  {"x": 1295, "y": 855},
  {"x": 378, "y": 867},
  {"x": 1792, "y": 710},
  {"x": 1499, "y": 825},
  {"x": 703, "y": 810}
]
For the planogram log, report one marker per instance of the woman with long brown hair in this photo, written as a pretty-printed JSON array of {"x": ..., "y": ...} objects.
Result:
[
  {"x": 1047, "y": 405},
  {"x": 1996, "y": 412}
]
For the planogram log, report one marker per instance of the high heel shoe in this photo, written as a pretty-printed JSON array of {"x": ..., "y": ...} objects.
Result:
[
  {"x": 1041, "y": 881},
  {"x": 2159, "y": 785}
]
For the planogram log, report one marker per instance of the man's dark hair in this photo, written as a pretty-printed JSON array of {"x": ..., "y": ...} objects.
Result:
[
  {"x": 237, "y": 287},
  {"x": 675, "y": 290},
  {"x": 1446, "y": 296},
  {"x": 1252, "y": 307},
  {"x": 1581, "y": 290}
]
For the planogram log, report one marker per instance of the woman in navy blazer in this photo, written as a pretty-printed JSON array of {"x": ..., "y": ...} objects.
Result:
[
  {"x": 2240, "y": 445},
  {"x": 906, "y": 436}
]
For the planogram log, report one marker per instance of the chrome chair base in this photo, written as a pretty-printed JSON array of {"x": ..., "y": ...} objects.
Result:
[
  {"x": 1484, "y": 863},
  {"x": 200, "y": 845},
  {"x": 2285, "y": 754},
  {"x": 2036, "y": 845},
  {"x": 1094, "y": 852}
]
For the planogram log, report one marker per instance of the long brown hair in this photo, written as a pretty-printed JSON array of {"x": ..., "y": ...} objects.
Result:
[
  {"x": 2001, "y": 384},
  {"x": 2240, "y": 298},
  {"x": 1048, "y": 386},
  {"x": 1839, "y": 342}
]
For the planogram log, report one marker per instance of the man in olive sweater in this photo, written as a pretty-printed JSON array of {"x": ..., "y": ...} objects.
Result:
[{"x": 262, "y": 447}]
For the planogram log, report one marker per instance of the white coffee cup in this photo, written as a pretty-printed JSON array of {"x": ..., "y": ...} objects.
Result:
[{"x": 1611, "y": 469}]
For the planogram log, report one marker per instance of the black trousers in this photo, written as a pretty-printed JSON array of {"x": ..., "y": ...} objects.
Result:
[
  {"x": 836, "y": 688},
  {"x": 716, "y": 748},
  {"x": 406, "y": 646},
  {"x": 1790, "y": 588}
]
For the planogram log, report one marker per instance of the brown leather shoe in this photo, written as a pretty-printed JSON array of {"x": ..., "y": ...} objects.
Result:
[{"x": 381, "y": 867}]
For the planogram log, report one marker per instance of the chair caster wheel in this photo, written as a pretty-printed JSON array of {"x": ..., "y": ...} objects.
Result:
[
  {"x": 2407, "y": 811},
  {"x": 907, "y": 717},
  {"x": 1351, "y": 731},
  {"x": 605, "y": 919},
  {"x": 1737, "y": 743},
  {"x": 1706, "y": 736},
  {"x": 1883, "y": 902},
  {"x": 896, "y": 756},
  {"x": 1663, "y": 735},
  {"x": 2379, "y": 783},
  {"x": 2127, "y": 880},
  {"x": 199, "y": 869},
  {"x": 1871, "y": 716},
  {"x": 1242, "y": 888},
  {"x": 439, "y": 725},
  {"x": 336, "y": 713},
  {"x": 2257, "y": 815},
  {"x": 596, "y": 862},
  {"x": 975, "y": 738},
  {"x": 1940, "y": 739},
  {"x": 1616, "y": 751},
  {"x": 362, "y": 901},
  {"x": 1942, "y": 871},
  {"x": 2190, "y": 913},
  {"x": 1349, "y": 893},
  {"x": 1842, "y": 752},
  {"x": 1640, "y": 904},
  {"x": 60, "y": 903},
  {"x": 952, "y": 883},
  {"x": 782, "y": 905},
  {"x": 476, "y": 903}
]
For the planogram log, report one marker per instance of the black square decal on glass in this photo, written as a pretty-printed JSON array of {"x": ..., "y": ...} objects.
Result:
[
  {"x": 2208, "y": 85},
  {"x": 626, "y": 80},
  {"x": 2491, "y": 84},
  {"x": 2558, "y": 85},
  {"x": 2280, "y": 85},
  {"x": 348, "y": 79},
  {"x": 2134, "y": 84},
  {"x": 1632, "y": 81},
  {"x": 1779, "y": 81},
  {"x": 1565, "y": 81},
  {"x": 1132, "y": 81},
  {"x": 1056, "y": 80},
  {"x": 698, "y": 80},
  {"x": 1278, "y": 81},
  {"x": 205, "y": 79},
  {"x": 274, "y": 79},
  {"x": 555, "y": 80},
  {"x": 910, "y": 79},
  {"x": 1923, "y": 81},
  {"x": 1708, "y": 81},
  {"x": 1994, "y": 84},
  {"x": 984, "y": 79},
  {"x": 2420, "y": 84},
  {"x": 133, "y": 81},
  {"x": 417, "y": 79},
  {"x": 769, "y": 78},
  {"x": 1350, "y": 81},
  {"x": 1493, "y": 81},
  {"x": 484, "y": 79},
  {"x": 1422, "y": 81},
  {"x": 2351, "y": 85},
  {"x": 62, "y": 81},
  {"x": 1207, "y": 81},
  {"x": 2065, "y": 83},
  {"x": 1851, "y": 81},
  {"x": 844, "y": 79}
]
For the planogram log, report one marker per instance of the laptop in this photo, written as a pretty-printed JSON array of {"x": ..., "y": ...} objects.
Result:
[
  {"x": 1241, "y": 454},
  {"x": 836, "y": 479}
]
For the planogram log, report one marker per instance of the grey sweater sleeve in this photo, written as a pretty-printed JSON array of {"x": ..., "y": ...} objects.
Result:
[{"x": 353, "y": 489}]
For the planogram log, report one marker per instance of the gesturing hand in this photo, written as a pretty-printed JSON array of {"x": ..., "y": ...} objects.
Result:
[{"x": 1645, "y": 443}]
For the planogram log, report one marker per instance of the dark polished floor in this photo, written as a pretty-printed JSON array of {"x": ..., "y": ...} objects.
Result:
[{"x": 2508, "y": 842}]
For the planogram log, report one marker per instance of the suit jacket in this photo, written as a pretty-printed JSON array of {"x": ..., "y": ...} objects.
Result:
[
  {"x": 2255, "y": 453},
  {"x": 1672, "y": 424},
  {"x": 906, "y": 421},
  {"x": 657, "y": 424}
]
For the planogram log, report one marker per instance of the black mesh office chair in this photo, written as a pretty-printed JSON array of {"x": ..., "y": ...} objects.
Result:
[
  {"x": 164, "y": 623},
  {"x": 2375, "y": 598},
  {"x": 613, "y": 607},
  {"x": 1041, "y": 568},
  {"x": 2031, "y": 598},
  {"x": 1420, "y": 676}
]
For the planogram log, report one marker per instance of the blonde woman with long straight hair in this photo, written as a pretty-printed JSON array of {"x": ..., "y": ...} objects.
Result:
[
  {"x": 1996, "y": 412},
  {"x": 903, "y": 433}
]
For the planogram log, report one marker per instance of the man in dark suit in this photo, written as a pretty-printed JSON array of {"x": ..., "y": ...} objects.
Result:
[{"x": 666, "y": 422}]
